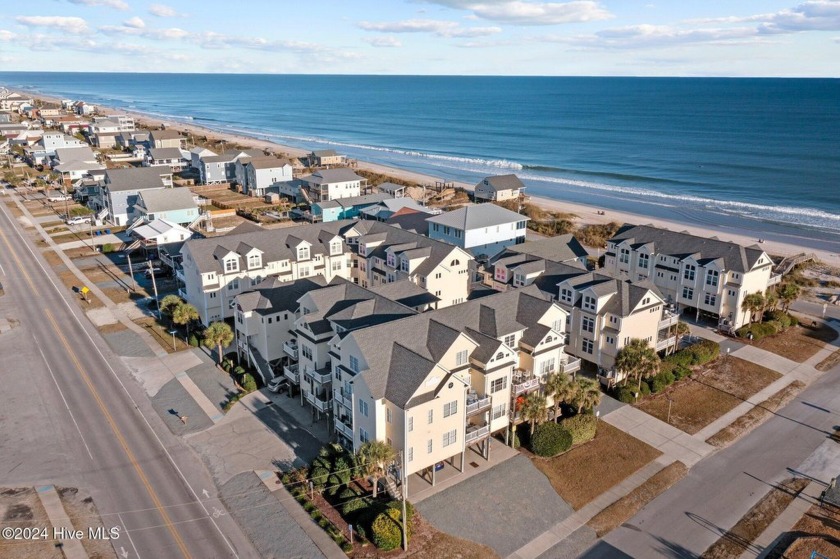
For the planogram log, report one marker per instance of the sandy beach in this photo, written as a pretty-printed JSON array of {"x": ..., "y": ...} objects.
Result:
[{"x": 586, "y": 214}]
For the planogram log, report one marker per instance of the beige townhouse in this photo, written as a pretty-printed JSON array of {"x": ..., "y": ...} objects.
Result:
[
  {"x": 383, "y": 254},
  {"x": 521, "y": 265},
  {"x": 215, "y": 270},
  {"x": 698, "y": 275}
]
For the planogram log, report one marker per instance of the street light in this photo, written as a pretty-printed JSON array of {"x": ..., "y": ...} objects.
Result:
[{"x": 173, "y": 338}]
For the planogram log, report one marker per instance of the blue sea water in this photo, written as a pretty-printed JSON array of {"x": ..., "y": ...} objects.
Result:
[{"x": 760, "y": 154}]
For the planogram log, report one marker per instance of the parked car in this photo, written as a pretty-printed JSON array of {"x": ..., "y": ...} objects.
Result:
[
  {"x": 278, "y": 385},
  {"x": 79, "y": 220},
  {"x": 58, "y": 198},
  {"x": 157, "y": 272}
]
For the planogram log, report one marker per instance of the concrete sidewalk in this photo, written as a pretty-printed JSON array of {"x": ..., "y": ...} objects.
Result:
[{"x": 72, "y": 548}]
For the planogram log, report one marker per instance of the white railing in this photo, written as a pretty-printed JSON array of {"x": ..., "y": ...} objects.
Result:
[
  {"x": 319, "y": 404},
  {"x": 291, "y": 349},
  {"x": 478, "y": 405},
  {"x": 774, "y": 279},
  {"x": 477, "y": 434},
  {"x": 344, "y": 429},
  {"x": 320, "y": 376},
  {"x": 291, "y": 373},
  {"x": 342, "y": 398},
  {"x": 571, "y": 365},
  {"x": 668, "y": 320},
  {"x": 666, "y": 343},
  {"x": 520, "y": 387}
]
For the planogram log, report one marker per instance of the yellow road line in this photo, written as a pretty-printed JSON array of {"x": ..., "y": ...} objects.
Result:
[{"x": 120, "y": 438}]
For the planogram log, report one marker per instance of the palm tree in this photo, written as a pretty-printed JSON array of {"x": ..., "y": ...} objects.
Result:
[
  {"x": 534, "y": 409},
  {"x": 788, "y": 293},
  {"x": 561, "y": 388},
  {"x": 373, "y": 457},
  {"x": 169, "y": 303},
  {"x": 588, "y": 394},
  {"x": 752, "y": 303},
  {"x": 771, "y": 300},
  {"x": 183, "y": 315},
  {"x": 682, "y": 329},
  {"x": 218, "y": 335},
  {"x": 637, "y": 360}
]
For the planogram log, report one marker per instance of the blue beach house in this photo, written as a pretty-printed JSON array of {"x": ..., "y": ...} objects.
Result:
[{"x": 346, "y": 208}]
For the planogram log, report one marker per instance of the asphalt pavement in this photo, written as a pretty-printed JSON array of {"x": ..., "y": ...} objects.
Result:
[{"x": 102, "y": 433}]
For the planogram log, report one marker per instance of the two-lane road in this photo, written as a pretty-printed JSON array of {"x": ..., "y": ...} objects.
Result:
[{"x": 142, "y": 478}]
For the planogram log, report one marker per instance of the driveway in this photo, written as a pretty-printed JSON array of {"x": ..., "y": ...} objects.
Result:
[{"x": 505, "y": 507}]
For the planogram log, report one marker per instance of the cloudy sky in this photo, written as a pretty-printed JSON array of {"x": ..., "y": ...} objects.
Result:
[{"x": 507, "y": 37}]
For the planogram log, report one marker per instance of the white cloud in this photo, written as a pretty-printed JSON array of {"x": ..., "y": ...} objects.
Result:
[
  {"x": 437, "y": 27},
  {"x": 6, "y": 36},
  {"x": 135, "y": 23},
  {"x": 162, "y": 10},
  {"x": 518, "y": 12},
  {"x": 172, "y": 33},
  {"x": 67, "y": 24},
  {"x": 116, "y": 4},
  {"x": 386, "y": 41}
]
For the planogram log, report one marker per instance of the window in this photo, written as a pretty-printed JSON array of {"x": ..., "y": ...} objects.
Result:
[
  {"x": 450, "y": 437},
  {"x": 624, "y": 256},
  {"x": 644, "y": 260},
  {"x": 391, "y": 260},
  {"x": 410, "y": 453},
  {"x": 445, "y": 230},
  {"x": 547, "y": 366},
  {"x": 688, "y": 293},
  {"x": 213, "y": 294},
  {"x": 254, "y": 261},
  {"x": 711, "y": 299},
  {"x": 712, "y": 277},
  {"x": 510, "y": 340},
  {"x": 306, "y": 351},
  {"x": 589, "y": 303},
  {"x": 461, "y": 357},
  {"x": 335, "y": 247},
  {"x": 610, "y": 340},
  {"x": 303, "y": 272},
  {"x": 450, "y": 409},
  {"x": 363, "y": 408},
  {"x": 455, "y": 263},
  {"x": 429, "y": 446},
  {"x": 336, "y": 266},
  {"x": 499, "y": 411},
  {"x": 520, "y": 225},
  {"x": 438, "y": 275},
  {"x": 587, "y": 324},
  {"x": 410, "y": 424},
  {"x": 566, "y": 295},
  {"x": 354, "y": 363},
  {"x": 303, "y": 252},
  {"x": 231, "y": 265},
  {"x": 587, "y": 346},
  {"x": 234, "y": 284},
  {"x": 404, "y": 265},
  {"x": 363, "y": 435},
  {"x": 498, "y": 384},
  {"x": 431, "y": 416},
  {"x": 689, "y": 271},
  {"x": 500, "y": 355},
  {"x": 388, "y": 415}
]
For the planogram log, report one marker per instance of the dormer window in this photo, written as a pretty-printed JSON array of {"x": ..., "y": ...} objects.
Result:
[
  {"x": 689, "y": 272},
  {"x": 303, "y": 252},
  {"x": 712, "y": 277},
  {"x": 644, "y": 261},
  {"x": 335, "y": 247},
  {"x": 566, "y": 295},
  {"x": 254, "y": 261},
  {"x": 404, "y": 265},
  {"x": 589, "y": 303},
  {"x": 391, "y": 260},
  {"x": 624, "y": 256},
  {"x": 231, "y": 265}
]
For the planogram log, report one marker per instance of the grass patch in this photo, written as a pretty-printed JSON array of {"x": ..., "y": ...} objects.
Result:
[
  {"x": 798, "y": 343},
  {"x": 53, "y": 258},
  {"x": 440, "y": 544},
  {"x": 709, "y": 393},
  {"x": 112, "y": 328},
  {"x": 740, "y": 537},
  {"x": 829, "y": 362},
  {"x": 756, "y": 416},
  {"x": 818, "y": 530},
  {"x": 160, "y": 332},
  {"x": 622, "y": 510},
  {"x": 588, "y": 470},
  {"x": 122, "y": 295}
]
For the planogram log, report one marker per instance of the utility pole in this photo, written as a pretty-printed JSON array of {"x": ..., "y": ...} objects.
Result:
[
  {"x": 154, "y": 286},
  {"x": 131, "y": 273}
]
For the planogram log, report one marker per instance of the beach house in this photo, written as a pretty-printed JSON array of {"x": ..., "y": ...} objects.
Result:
[
  {"x": 326, "y": 157},
  {"x": 483, "y": 230},
  {"x": 166, "y": 139},
  {"x": 121, "y": 189},
  {"x": 263, "y": 172},
  {"x": 215, "y": 270},
  {"x": 197, "y": 154},
  {"x": 172, "y": 158},
  {"x": 698, "y": 275},
  {"x": 75, "y": 163},
  {"x": 519, "y": 265},
  {"x": 176, "y": 205},
  {"x": 332, "y": 184},
  {"x": 215, "y": 169},
  {"x": 346, "y": 208},
  {"x": 498, "y": 188}
]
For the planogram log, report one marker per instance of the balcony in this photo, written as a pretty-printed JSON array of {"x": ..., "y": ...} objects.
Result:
[
  {"x": 291, "y": 373},
  {"x": 345, "y": 429},
  {"x": 343, "y": 398},
  {"x": 291, "y": 349},
  {"x": 664, "y": 344},
  {"x": 477, "y": 404},
  {"x": 179, "y": 273},
  {"x": 321, "y": 376},
  {"x": 476, "y": 433},
  {"x": 317, "y": 402},
  {"x": 668, "y": 319},
  {"x": 570, "y": 365},
  {"x": 774, "y": 279},
  {"x": 524, "y": 381}
]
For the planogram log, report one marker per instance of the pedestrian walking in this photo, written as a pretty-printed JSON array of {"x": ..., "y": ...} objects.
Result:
[{"x": 183, "y": 419}]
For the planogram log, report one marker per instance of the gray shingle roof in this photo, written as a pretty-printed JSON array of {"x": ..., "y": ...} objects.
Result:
[
  {"x": 325, "y": 153},
  {"x": 477, "y": 217},
  {"x": 681, "y": 245},
  {"x": 502, "y": 182},
  {"x": 134, "y": 178},
  {"x": 165, "y": 153},
  {"x": 268, "y": 163},
  {"x": 559, "y": 249},
  {"x": 167, "y": 199},
  {"x": 273, "y": 296},
  {"x": 156, "y": 135},
  {"x": 327, "y": 176}
]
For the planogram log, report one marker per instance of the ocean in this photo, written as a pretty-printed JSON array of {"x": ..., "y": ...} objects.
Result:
[{"x": 760, "y": 155}]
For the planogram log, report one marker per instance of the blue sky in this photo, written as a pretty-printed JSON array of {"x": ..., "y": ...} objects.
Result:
[{"x": 505, "y": 37}]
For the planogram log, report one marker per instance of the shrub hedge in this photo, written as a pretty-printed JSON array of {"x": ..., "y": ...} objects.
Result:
[
  {"x": 386, "y": 530},
  {"x": 550, "y": 439},
  {"x": 249, "y": 384},
  {"x": 582, "y": 427}
]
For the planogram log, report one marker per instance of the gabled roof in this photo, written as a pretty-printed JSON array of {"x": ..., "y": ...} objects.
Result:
[
  {"x": 410, "y": 220},
  {"x": 328, "y": 176},
  {"x": 273, "y": 295},
  {"x": 325, "y": 153},
  {"x": 78, "y": 154},
  {"x": 156, "y": 135},
  {"x": 558, "y": 249},
  {"x": 268, "y": 163},
  {"x": 158, "y": 227},
  {"x": 167, "y": 199},
  {"x": 502, "y": 182},
  {"x": 391, "y": 187},
  {"x": 166, "y": 153},
  {"x": 477, "y": 217},
  {"x": 134, "y": 178},
  {"x": 682, "y": 244}
]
